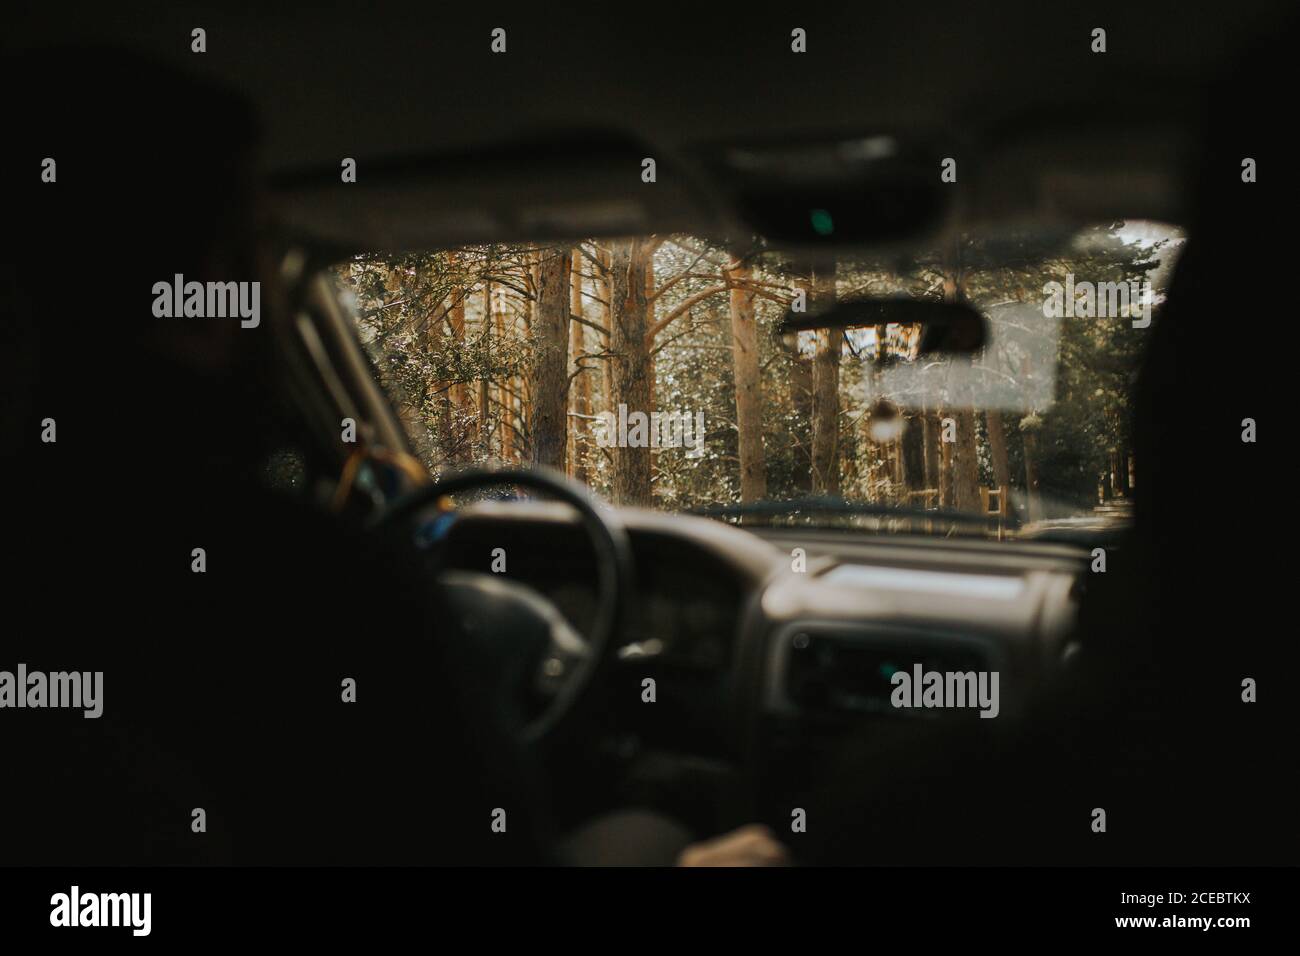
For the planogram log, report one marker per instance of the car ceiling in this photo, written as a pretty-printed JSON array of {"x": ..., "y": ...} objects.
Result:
[{"x": 412, "y": 92}]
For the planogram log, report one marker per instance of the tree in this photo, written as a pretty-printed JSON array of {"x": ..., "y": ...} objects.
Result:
[
  {"x": 801, "y": 392},
  {"x": 998, "y": 452},
  {"x": 580, "y": 374},
  {"x": 460, "y": 403},
  {"x": 965, "y": 454},
  {"x": 749, "y": 395},
  {"x": 826, "y": 385},
  {"x": 484, "y": 430},
  {"x": 663, "y": 337},
  {"x": 631, "y": 361},
  {"x": 548, "y": 382}
]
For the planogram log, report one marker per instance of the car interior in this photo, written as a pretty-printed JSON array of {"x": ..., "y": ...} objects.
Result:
[{"x": 627, "y": 665}]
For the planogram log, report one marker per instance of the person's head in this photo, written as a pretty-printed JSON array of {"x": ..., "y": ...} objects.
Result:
[{"x": 131, "y": 175}]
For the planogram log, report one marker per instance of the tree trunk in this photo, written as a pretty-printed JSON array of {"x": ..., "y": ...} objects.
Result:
[
  {"x": 930, "y": 450},
  {"x": 1122, "y": 489},
  {"x": 631, "y": 365},
  {"x": 460, "y": 404},
  {"x": 801, "y": 389},
  {"x": 878, "y": 453},
  {"x": 505, "y": 401},
  {"x": 826, "y": 391},
  {"x": 649, "y": 324},
  {"x": 749, "y": 394},
  {"x": 582, "y": 380},
  {"x": 998, "y": 452},
  {"x": 966, "y": 475},
  {"x": 912, "y": 456},
  {"x": 437, "y": 333},
  {"x": 946, "y": 470},
  {"x": 605, "y": 289},
  {"x": 484, "y": 425},
  {"x": 549, "y": 368},
  {"x": 1031, "y": 474},
  {"x": 650, "y": 362}
]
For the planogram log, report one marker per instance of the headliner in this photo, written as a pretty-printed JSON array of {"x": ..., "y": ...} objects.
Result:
[{"x": 1058, "y": 130}]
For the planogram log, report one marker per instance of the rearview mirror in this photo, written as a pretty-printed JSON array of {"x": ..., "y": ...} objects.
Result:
[{"x": 930, "y": 328}]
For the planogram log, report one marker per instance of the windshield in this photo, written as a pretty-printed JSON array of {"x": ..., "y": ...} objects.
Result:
[{"x": 651, "y": 369}]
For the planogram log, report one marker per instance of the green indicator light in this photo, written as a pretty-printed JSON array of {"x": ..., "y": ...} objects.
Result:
[{"x": 822, "y": 223}]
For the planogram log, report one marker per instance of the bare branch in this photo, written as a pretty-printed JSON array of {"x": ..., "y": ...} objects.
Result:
[
  {"x": 681, "y": 310},
  {"x": 595, "y": 261},
  {"x": 588, "y": 323},
  {"x": 688, "y": 272}
]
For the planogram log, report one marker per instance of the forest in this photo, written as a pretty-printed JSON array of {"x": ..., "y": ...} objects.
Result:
[{"x": 545, "y": 354}]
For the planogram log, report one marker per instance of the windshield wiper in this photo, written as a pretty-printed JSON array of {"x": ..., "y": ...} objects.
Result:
[{"x": 828, "y": 505}]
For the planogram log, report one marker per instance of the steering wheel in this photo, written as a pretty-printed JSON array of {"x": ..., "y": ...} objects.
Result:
[{"x": 556, "y": 663}]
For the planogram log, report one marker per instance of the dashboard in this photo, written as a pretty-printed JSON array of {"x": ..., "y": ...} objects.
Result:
[
  {"x": 687, "y": 598},
  {"x": 754, "y": 650}
]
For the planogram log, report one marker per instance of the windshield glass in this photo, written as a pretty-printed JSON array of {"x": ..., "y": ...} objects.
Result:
[{"x": 651, "y": 369}]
